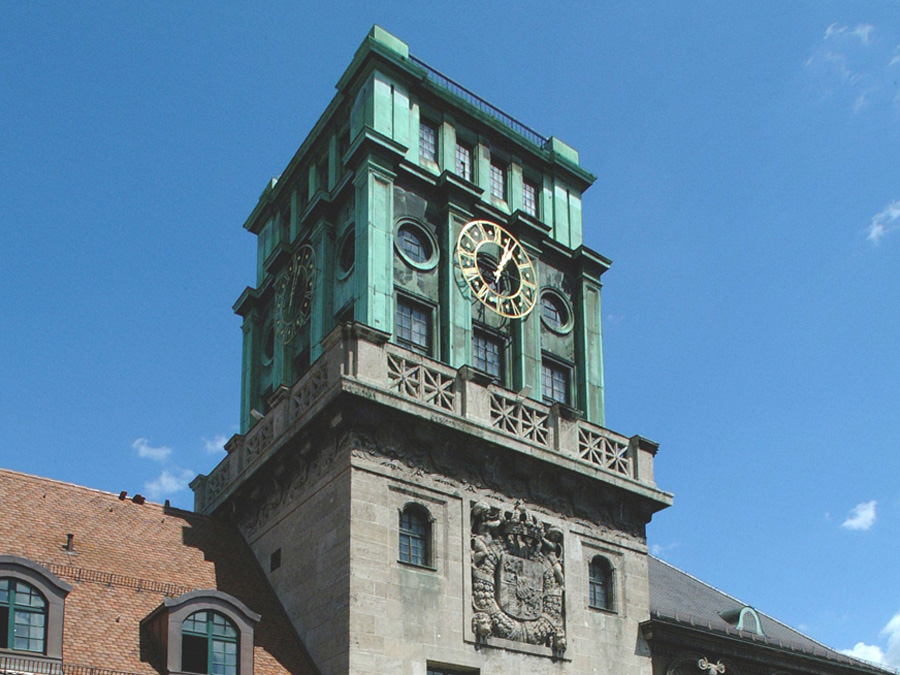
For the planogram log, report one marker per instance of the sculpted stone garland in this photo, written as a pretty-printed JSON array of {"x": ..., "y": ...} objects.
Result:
[{"x": 517, "y": 578}]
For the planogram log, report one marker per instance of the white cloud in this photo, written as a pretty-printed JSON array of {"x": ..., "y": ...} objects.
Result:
[
  {"x": 862, "y": 517},
  {"x": 887, "y": 220},
  {"x": 168, "y": 482},
  {"x": 831, "y": 64},
  {"x": 892, "y": 631},
  {"x": 862, "y": 31},
  {"x": 147, "y": 451},
  {"x": 856, "y": 66},
  {"x": 874, "y": 653},
  {"x": 866, "y": 652},
  {"x": 216, "y": 445},
  {"x": 660, "y": 550},
  {"x": 832, "y": 30}
]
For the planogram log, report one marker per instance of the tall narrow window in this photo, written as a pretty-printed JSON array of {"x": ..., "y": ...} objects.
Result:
[
  {"x": 322, "y": 173},
  {"x": 209, "y": 644},
  {"x": 464, "y": 161},
  {"x": 529, "y": 198},
  {"x": 600, "y": 583},
  {"x": 23, "y": 616},
  {"x": 343, "y": 143},
  {"x": 414, "y": 536},
  {"x": 413, "y": 326},
  {"x": 498, "y": 180},
  {"x": 554, "y": 382},
  {"x": 486, "y": 354},
  {"x": 427, "y": 142}
]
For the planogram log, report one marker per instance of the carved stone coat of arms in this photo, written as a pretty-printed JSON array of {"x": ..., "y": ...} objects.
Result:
[{"x": 517, "y": 578}]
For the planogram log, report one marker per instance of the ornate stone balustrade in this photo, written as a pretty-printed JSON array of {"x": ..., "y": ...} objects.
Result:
[
  {"x": 358, "y": 360},
  {"x": 418, "y": 378}
]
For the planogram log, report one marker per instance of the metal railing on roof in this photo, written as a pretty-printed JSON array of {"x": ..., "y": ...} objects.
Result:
[{"x": 474, "y": 99}]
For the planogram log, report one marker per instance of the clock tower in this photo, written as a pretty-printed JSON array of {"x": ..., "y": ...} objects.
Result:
[{"x": 423, "y": 468}]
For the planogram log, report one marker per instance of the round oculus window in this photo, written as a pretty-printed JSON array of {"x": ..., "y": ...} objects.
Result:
[
  {"x": 416, "y": 245},
  {"x": 555, "y": 313},
  {"x": 268, "y": 346},
  {"x": 347, "y": 253}
]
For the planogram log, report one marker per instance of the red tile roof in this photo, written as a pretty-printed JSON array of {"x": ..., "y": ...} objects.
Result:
[{"x": 126, "y": 559}]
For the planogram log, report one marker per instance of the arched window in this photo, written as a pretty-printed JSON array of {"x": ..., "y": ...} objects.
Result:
[
  {"x": 209, "y": 644},
  {"x": 203, "y": 631},
  {"x": 415, "y": 533},
  {"x": 32, "y": 605},
  {"x": 600, "y": 591},
  {"x": 23, "y": 616}
]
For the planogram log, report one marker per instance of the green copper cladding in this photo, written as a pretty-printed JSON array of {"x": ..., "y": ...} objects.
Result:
[{"x": 402, "y": 143}]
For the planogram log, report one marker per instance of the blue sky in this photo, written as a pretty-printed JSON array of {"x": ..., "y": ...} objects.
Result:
[{"x": 747, "y": 193}]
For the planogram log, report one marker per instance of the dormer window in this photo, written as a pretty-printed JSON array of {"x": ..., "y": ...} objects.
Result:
[
  {"x": 744, "y": 619},
  {"x": 209, "y": 644},
  {"x": 205, "y": 632},
  {"x": 23, "y": 616},
  {"x": 32, "y": 604}
]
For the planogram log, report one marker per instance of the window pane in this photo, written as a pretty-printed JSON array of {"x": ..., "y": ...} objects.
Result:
[
  {"x": 195, "y": 623},
  {"x": 486, "y": 354},
  {"x": 427, "y": 142},
  {"x": 28, "y": 631},
  {"x": 599, "y": 584},
  {"x": 555, "y": 383},
  {"x": 194, "y": 657},
  {"x": 27, "y": 596},
  {"x": 322, "y": 173},
  {"x": 413, "y": 538},
  {"x": 554, "y": 312},
  {"x": 498, "y": 181},
  {"x": 413, "y": 327},
  {"x": 224, "y": 658},
  {"x": 550, "y": 312},
  {"x": 529, "y": 198},
  {"x": 222, "y": 626},
  {"x": 464, "y": 161},
  {"x": 25, "y": 608},
  {"x": 412, "y": 243},
  {"x": 209, "y": 644}
]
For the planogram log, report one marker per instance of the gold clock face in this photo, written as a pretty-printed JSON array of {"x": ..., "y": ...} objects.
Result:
[
  {"x": 293, "y": 296},
  {"x": 497, "y": 268}
]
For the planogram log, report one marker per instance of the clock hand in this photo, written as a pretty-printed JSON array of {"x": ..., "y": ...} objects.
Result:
[{"x": 504, "y": 260}]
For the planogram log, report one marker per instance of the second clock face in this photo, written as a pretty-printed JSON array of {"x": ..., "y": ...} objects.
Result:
[
  {"x": 293, "y": 300},
  {"x": 496, "y": 268}
]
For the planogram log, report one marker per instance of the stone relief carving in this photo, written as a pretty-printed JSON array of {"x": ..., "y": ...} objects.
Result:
[
  {"x": 518, "y": 579},
  {"x": 471, "y": 467},
  {"x": 282, "y": 484},
  {"x": 468, "y": 467}
]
